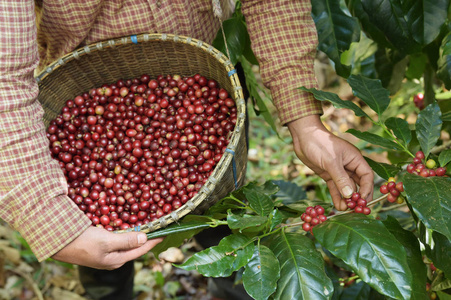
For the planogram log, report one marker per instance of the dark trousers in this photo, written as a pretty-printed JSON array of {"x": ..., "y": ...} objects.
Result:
[{"x": 108, "y": 285}]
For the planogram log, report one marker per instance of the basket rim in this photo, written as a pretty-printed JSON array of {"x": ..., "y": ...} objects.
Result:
[
  {"x": 135, "y": 39},
  {"x": 227, "y": 159}
]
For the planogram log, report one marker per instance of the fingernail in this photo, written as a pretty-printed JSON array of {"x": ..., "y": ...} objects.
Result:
[
  {"x": 346, "y": 191},
  {"x": 142, "y": 238}
]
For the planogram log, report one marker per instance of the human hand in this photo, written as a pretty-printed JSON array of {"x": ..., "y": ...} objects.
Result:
[
  {"x": 101, "y": 249},
  {"x": 335, "y": 160}
]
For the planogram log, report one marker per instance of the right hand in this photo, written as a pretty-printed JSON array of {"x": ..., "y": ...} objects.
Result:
[
  {"x": 100, "y": 249},
  {"x": 339, "y": 163}
]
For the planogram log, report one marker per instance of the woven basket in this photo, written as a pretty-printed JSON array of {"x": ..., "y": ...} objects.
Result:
[{"x": 153, "y": 54}]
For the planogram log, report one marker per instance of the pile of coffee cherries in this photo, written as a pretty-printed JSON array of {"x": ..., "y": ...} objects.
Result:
[
  {"x": 358, "y": 204},
  {"x": 425, "y": 168},
  {"x": 312, "y": 217},
  {"x": 138, "y": 149},
  {"x": 393, "y": 190}
]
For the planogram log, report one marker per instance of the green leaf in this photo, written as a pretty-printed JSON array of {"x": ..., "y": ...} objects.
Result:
[
  {"x": 259, "y": 197},
  {"x": 356, "y": 291},
  {"x": 417, "y": 65},
  {"x": 444, "y": 61},
  {"x": 443, "y": 295},
  {"x": 440, "y": 283},
  {"x": 221, "y": 260},
  {"x": 374, "y": 139},
  {"x": 336, "y": 31},
  {"x": 445, "y": 106},
  {"x": 190, "y": 224},
  {"x": 368, "y": 67},
  {"x": 336, "y": 101},
  {"x": 255, "y": 90},
  {"x": 245, "y": 221},
  {"x": 175, "y": 240},
  {"x": 371, "y": 92},
  {"x": 384, "y": 170},
  {"x": 414, "y": 257},
  {"x": 243, "y": 252},
  {"x": 428, "y": 127},
  {"x": 428, "y": 17},
  {"x": 269, "y": 187},
  {"x": 400, "y": 128},
  {"x": 289, "y": 192},
  {"x": 372, "y": 252},
  {"x": 386, "y": 60},
  {"x": 221, "y": 207},
  {"x": 391, "y": 17},
  {"x": 261, "y": 273},
  {"x": 440, "y": 253},
  {"x": 188, "y": 227},
  {"x": 276, "y": 218},
  {"x": 446, "y": 44},
  {"x": 431, "y": 201},
  {"x": 302, "y": 274},
  {"x": 444, "y": 157},
  {"x": 356, "y": 9},
  {"x": 237, "y": 38},
  {"x": 361, "y": 57}
]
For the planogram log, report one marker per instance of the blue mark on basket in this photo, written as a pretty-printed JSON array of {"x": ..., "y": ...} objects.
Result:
[
  {"x": 231, "y": 72},
  {"x": 233, "y": 166},
  {"x": 134, "y": 39},
  {"x": 137, "y": 228}
]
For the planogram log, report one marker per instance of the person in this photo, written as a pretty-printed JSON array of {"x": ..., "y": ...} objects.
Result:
[{"x": 33, "y": 192}]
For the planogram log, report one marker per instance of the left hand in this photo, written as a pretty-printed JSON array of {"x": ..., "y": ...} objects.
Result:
[
  {"x": 101, "y": 249},
  {"x": 335, "y": 160}
]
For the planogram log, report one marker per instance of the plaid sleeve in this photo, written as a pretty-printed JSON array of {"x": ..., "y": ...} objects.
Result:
[
  {"x": 33, "y": 190},
  {"x": 284, "y": 40}
]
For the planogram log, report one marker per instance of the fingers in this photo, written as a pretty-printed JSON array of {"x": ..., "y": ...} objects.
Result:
[
  {"x": 344, "y": 185},
  {"x": 356, "y": 173},
  {"x": 337, "y": 199},
  {"x": 131, "y": 240},
  {"x": 128, "y": 246},
  {"x": 366, "y": 184}
]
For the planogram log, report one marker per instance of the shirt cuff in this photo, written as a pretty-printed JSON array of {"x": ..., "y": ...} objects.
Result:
[
  {"x": 63, "y": 223},
  {"x": 47, "y": 218}
]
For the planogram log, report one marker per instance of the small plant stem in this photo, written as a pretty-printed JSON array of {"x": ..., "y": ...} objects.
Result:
[
  {"x": 393, "y": 207},
  {"x": 256, "y": 238},
  {"x": 383, "y": 197},
  {"x": 395, "y": 139},
  {"x": 217, "y": 223},
  {"x": 350, "y": 278},
  {"x": 242, "y": 203},
  {"x": 442, "y": 147}
]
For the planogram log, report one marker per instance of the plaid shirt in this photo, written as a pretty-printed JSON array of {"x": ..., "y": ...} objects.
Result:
[{"x": 33, "y": 190}]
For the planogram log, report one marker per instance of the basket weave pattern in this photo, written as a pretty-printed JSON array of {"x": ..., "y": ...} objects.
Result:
[{"x": 153, "y": 54}]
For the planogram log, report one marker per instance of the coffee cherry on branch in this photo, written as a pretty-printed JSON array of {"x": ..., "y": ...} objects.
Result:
[
  {"x": 441, "y": 171},
  {"x": 312, "y": 217},
  {"x": 138, "y": 149},
  {"x": 424, "y": 168},
  {"x": 393, "y": 189},
  {"x": 358, "y": 204},
  {"x": 430, "y": 163},
  {"x": 418, "y": 100}
]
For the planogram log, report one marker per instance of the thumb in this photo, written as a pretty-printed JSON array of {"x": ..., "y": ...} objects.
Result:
[
  {"x": 343, "y": 184},
  {"x": 128, "y": 240}
]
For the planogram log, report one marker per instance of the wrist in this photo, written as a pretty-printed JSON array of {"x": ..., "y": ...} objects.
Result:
[{"x": 306, "y": 125}]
